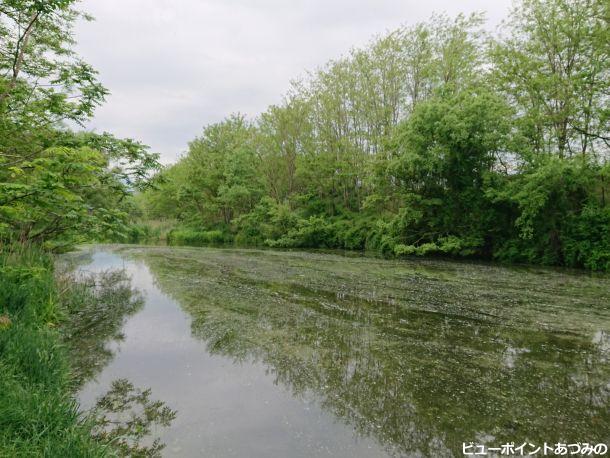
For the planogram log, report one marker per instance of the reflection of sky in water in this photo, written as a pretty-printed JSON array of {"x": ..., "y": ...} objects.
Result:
[
  {"x": 224, "y": 408},
  {"x": 102, "y": 261}
]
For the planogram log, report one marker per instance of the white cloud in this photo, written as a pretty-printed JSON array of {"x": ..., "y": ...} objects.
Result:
[{"x": 173, "y": 66}]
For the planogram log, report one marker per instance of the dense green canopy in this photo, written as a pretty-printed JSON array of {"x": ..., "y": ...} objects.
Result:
[{"x": 436, "y": 138}]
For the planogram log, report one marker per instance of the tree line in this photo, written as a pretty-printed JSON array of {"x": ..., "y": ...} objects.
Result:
[{"x": 435, "y": 139}]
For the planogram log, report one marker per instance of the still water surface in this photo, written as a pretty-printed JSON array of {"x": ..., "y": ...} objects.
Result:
[{"x": 277, "y": 354}]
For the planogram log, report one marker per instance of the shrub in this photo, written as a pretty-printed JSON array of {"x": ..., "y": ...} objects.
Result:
[
  {"x": 191, "y": 237},
  {"x": 586, "y": 239}
]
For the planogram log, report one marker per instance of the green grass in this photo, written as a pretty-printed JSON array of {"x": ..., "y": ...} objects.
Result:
[
  {"x": 149, "y": 231},
  {"x": 38, "y": 413},
  {"x": 191, "y": 237}
]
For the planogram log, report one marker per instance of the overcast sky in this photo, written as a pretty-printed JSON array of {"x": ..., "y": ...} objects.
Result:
[{"x": 173, "y": 66}]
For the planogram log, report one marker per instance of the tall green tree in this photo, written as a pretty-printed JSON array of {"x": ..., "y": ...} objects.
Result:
[
  {"x": 43, "y": 82},
  {"x": 54, "y": 184},
  {"x": 222, "y": 178},
  {"x": 441, "y": 158},
  {"x": 553, "y": 65}
]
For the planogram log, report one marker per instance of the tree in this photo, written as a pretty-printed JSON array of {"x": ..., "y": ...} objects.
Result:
[
  {"x": 222, "y": 179},
  {"x": 557, "y": 214},
  {"x": 56, "y": 185},
  {"x": 43, "y": 83},
  {"x": 554, "y": 68},
  {"x": 431, "y": 139},
  {"x": 441, "y": 156},
  {"x": 284, "y": 135}
]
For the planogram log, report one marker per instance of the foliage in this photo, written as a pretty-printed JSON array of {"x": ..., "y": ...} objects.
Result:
[
  {"x": 150, "y": 231},
  {"x": 553, "y": 66},
  {"x": 435, "y": 139},
  {"x": 559, "y": 216},
  {"x": 196, "y": 237},
  {"x": 439, "y": 159},
  {"x": 57, "y": 187}
]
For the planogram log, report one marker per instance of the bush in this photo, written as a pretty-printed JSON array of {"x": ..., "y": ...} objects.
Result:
[
  {"x": 314, "y": 232},
  {"x": 150, "y": 231},
  {"x": 560, "y": 217},
  {"x": 586, "y": 239},
  {"x": 191, "y": 237}
]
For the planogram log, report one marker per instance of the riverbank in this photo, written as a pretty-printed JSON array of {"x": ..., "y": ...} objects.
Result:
[
  {"x": 55, "y": 320},
  {"x": 339, "y": 237},
  {"x": 38, "y": 412}
]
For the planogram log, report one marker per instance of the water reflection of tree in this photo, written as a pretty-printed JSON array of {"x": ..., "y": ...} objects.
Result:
[
  {"x": 97, "y": 306},
  {"x": 418, "y": 381},
  {"x": 125, "y": 417}
]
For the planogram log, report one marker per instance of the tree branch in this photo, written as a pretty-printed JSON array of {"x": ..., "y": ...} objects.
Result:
[{"x": 22, "y": 43}]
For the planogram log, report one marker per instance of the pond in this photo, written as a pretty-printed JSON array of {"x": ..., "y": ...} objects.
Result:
[{"x": 274, "y": 354}]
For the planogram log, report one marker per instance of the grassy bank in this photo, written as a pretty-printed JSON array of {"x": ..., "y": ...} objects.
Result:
[
  {"x": 149, "y": 231},
  {"x": 38, "y": 413},
  {"x": 54, "y": 328}
]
